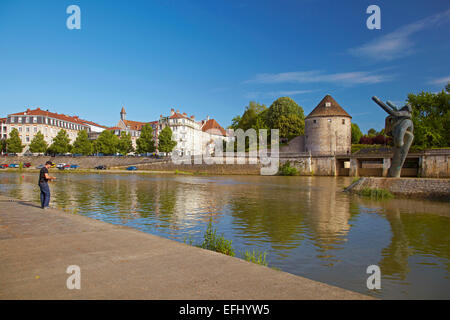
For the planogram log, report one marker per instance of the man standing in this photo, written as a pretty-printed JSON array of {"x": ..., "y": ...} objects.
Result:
[{"x": 44, "y": 177}]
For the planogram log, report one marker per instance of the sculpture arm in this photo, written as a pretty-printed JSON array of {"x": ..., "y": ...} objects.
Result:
[{"x": 382, "y": 105}]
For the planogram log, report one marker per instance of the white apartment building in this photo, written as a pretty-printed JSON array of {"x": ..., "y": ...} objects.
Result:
[
  {"x": 30, "y": 122},
  {"x": 3, "y": 129},
  {"x": 193, "y": 137}
]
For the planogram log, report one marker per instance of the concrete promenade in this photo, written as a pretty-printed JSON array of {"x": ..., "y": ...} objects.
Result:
[{"x": 37, "y": 246}]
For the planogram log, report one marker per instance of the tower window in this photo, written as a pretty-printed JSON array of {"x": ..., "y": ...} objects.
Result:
[
  {"x": 314, "y": 121},
  {"x": 343, "y": 121}
]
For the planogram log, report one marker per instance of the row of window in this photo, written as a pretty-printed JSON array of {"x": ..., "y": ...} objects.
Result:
[{"x": 49, "y": 121}]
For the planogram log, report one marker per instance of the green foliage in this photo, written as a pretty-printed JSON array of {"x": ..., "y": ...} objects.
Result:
[
  {"x": 2, "y": 145},
  {"x": 145, "y": 143},
  {"x": 14, "y": 143},
  {"x": 287, "y": 170},
  {"x": 252, "y": 117},
  {"x": 125, "y": 145},
  {"x": 376, "y": 193},
  {"x": 106, "y": 142},
  {"x": 82, "y": 144},
  {"x": 235, "y": 122},
  {"x": 370, "y": 148},
  {"x": 356, "y": 133},
  {"x": 256, "y": 256},
  {"x": 61, "y": 143},
  {"x": 38, "y": 144},
  {"x": 287, "y": 116},
  {"x": 372, "y": 132},
  {"x": 165, "y": 142},
  {"x": 215, "y": 242},
  {"x": 431, "y": 117}
]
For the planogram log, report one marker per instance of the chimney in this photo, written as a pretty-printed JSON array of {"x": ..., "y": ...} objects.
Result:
[
  {"x": 192, "y": 117},
  {"x": 184, "y": 114},
  {"x": 207, "y": 118},
  {"x": 160, "y": 116},
  {"x": 178, "y": 111},
  {"x": 172, "y": 111}
]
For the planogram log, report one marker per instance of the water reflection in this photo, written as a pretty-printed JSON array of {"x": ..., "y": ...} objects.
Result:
[{"x": 307, "y": 224}]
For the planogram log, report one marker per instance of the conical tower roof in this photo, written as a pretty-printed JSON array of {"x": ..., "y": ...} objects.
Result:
[
  {"x": 328, "y": 107},
  {"x": 123, "y": 110}
]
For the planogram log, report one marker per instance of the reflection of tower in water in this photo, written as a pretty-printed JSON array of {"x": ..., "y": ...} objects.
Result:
[{"x": 327, "y": 214}]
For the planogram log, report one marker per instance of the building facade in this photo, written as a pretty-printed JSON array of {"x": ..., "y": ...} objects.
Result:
[
  {"x": 30, "y": 122},
  {"x": 133, "y": 128},
  {"x": 193, "y": 137},
  {"x": 3, "y": 129}
]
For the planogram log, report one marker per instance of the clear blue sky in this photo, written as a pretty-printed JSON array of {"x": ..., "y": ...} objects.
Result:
[{"x": 212, "y": 57}]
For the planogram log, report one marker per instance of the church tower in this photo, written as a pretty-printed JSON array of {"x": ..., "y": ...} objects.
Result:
[{"x": 123, "y": 114}]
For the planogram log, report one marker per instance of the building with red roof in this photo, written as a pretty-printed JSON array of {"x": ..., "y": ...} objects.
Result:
[{"x": 28, "y": 123}]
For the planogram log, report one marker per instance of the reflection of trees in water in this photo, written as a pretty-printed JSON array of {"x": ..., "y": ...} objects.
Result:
[
  {"x": 307, "y": 208},
  {"x": 417, "y": 227},
  {"x": 412, "y": 234},
  {"x": 269, "y": 211}
]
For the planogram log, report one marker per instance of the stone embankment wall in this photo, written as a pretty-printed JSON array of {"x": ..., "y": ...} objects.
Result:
[
  {"x": 407, "y": 187},
  {"x": 436, "y": 165},
  {"x": 83, "y": 162},
  {"x": 431, "y": 164}
]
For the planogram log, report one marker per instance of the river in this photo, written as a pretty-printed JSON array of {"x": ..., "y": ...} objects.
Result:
[{"x": 307, "y": 225}]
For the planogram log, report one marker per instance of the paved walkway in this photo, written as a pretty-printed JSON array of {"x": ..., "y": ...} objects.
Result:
[{"x": 37, "y": 246}]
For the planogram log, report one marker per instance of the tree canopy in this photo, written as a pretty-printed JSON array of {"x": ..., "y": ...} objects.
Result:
[
  {"x": 106, "y": 142},
  {"x": 165, "y": 142},
  {"x": 287, "y": 116},
  {"x": 431, "y": 118},
  {"x": 38, "y": 144},
  {"x": 125, "y": 145},
  {"x": 14, "y": 143},
  {"x": 356, "y": 133},
  {"x": 82, "y": 144},
  {"x": 145, "y": 142},
  {"x": 61, "y": 143},
  {"x": 2, "y": 145},
  {"x": 284, "y": 114}
]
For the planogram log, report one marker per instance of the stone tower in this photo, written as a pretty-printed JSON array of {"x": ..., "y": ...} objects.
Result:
[
  {"x": 123, "y": 114},
  {"x": 328, "y": 129}
]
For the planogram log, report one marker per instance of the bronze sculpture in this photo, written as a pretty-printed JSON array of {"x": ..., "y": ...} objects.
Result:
[{"x": 399, "y": 125}]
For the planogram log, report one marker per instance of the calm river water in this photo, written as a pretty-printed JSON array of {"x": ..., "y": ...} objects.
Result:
[{"x": 307, "y": 225}]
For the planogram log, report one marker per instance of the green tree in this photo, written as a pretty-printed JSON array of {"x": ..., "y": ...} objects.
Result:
[
  {"x": 82, "y": 144},
  {"x": 372, "y": 132},
  {"x": 2, "y": 145},
  {"x": 145, "y": 142},
  {"x": 106, "y": 142},
  {"x": 356, "y": 133},
  {"x": 431, "y": 118},
  {"x": 61, "y": 143},
  {"x": 235, "y": 123},
  {"x": 14, "y": 143},
  {"x": 287, "y": 116},
  {"x": 253, "y": 116},
  {"x": 125, "y": 145},
  {"x": 38, "y": 144},
  {"x": 165, "y": 143}
]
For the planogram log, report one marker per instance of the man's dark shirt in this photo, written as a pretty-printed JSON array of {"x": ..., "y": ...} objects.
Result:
[{"x": 42, "y": 173}]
